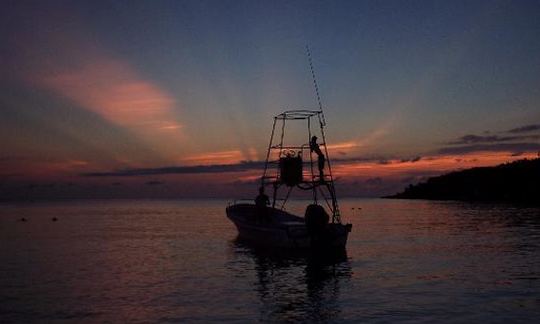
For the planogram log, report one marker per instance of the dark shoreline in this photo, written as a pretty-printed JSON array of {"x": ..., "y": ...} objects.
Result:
[{"x": 515, "y": 182}]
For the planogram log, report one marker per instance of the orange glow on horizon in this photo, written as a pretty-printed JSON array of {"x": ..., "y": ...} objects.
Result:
[
  {"x": 221, "y": 157},
  {"x": 430, "y": 164}
]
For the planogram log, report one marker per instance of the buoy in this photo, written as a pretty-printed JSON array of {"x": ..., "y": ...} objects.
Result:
[
  {"x": 54, "y": 219},
  {"x": 23, "y": 219}
]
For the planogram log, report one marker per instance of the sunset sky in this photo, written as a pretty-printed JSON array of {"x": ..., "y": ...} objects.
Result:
[{"x": 165, "y": 99}]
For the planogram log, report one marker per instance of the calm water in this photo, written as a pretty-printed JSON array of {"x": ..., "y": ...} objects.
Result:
[{"x": 178, "y": 261}]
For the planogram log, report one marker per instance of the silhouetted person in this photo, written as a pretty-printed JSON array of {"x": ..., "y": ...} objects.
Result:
[
  {"x": 314, "y": 147},
  {"x": 261, "y": 202}
]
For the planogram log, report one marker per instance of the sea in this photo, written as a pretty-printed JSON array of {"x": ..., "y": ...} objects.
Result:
[{"x": 180, "y": 261}]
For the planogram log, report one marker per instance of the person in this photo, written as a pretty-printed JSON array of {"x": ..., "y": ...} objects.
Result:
[
  {"x": 314, "y": 147},
  {"x": 261, "y": 202}
]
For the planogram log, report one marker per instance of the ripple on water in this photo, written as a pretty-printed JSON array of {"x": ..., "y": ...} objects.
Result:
[{"x": 179, "y": 261}]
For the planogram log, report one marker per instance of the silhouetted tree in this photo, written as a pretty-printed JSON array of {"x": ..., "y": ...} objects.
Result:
[{"x": 517, "y": 181}]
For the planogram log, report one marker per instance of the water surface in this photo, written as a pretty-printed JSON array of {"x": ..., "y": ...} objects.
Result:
[{"x": 179, "y": 261}]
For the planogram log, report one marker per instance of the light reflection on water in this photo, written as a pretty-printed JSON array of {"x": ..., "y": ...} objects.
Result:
[
  {"x": 171, "y": 261},
  {"x": 296, "y": 286}
]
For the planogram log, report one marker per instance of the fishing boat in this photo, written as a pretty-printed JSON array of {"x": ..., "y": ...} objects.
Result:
[
  {"x": 295, "y": 161},
  {"x": 304, "y": 167}
]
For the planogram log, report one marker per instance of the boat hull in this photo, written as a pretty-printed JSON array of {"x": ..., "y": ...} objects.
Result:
[{"x": 276, "y": 228}]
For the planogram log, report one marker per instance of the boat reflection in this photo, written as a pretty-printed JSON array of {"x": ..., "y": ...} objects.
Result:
[{"x": 297, "y": 286}]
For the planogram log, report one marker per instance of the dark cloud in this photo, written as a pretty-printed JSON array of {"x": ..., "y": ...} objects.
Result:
[
  {"x": 499, "y": 147},
  {"x": 525, "y": 129},
  {"x": 414, "y": 159},
  {"x": 379, "y": 159},
  {"x": 218, "y": 168},
  {"x": 474, "y": 139},
  {"x": 224, "y": 168},
  {"x": 471, "y": 138}
]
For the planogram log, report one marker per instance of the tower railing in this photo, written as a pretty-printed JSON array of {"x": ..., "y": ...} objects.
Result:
[{"x": 320, "y": 184}]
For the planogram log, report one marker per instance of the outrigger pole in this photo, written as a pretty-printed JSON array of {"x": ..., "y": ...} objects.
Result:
[
  {"x": 331, "y": 188},
  {"x": 315, "y": 83},
  {"x": 289, "y": 159}
]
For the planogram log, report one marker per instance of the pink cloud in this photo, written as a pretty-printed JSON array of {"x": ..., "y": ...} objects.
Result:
[
  {"x": 113, "y": 90},
  {"x": 77, "y": 68}
]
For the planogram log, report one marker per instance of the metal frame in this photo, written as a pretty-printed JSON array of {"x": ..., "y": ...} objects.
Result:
[{"x": 321, "y": 188}]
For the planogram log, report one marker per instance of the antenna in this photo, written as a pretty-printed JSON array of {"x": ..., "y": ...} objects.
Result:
[{"x": 315, "y": 83}]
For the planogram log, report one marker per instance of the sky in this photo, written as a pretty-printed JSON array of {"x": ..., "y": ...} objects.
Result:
[{"x": 173, "y": 99}]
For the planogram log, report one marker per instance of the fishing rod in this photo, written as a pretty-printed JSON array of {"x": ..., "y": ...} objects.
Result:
[{"x": 315, "y": 85}]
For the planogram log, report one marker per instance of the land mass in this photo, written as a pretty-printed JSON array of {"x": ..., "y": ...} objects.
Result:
[{"x": 517, "y": 181}]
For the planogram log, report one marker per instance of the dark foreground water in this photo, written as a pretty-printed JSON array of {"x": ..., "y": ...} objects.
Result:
[{"x": 178, "y": 261}]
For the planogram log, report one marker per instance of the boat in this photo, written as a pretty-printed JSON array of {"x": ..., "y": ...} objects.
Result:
[
  {"x": 289, "y": 167},
  {"x": 292, "y": 164}
]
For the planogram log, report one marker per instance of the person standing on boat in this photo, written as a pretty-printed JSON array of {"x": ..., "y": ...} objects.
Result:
[
  {"x": 314, "y": 147},
  {"x": 261, "y": 202}
]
